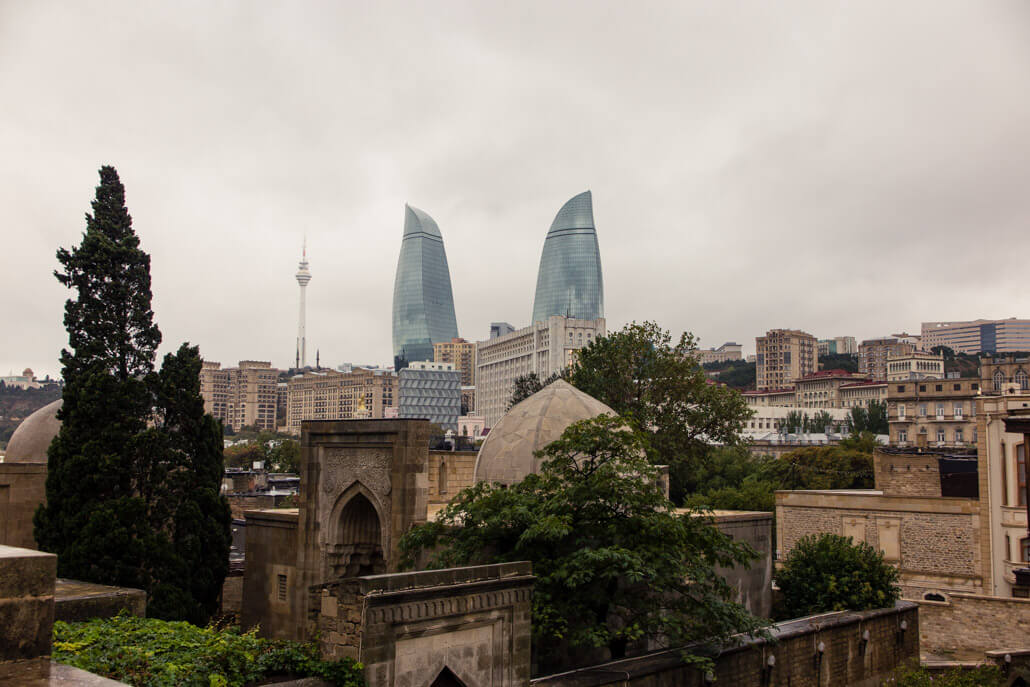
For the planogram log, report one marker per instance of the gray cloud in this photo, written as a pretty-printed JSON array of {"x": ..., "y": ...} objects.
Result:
[{"x": 843, "y": 169}]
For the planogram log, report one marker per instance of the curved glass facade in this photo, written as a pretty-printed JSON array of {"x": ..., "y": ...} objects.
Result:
[
  {"x": 569, "y": 281},
  {"x": 423, "y": 303}
]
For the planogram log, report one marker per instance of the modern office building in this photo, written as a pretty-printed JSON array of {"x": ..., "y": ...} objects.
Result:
[
  {"x": 544, "y": 348},
  {"x": 500, "y": 329},
  {"x": 432, "y": 391},
  {"x": 783, "y": 356},
  {"x": 423, "y": 303},
  {"x": 332, "y": 395},
  {"x": 976, "y": 336},
  {"x": 569, "y": 282},
  {"x": 240, "y": 396}
]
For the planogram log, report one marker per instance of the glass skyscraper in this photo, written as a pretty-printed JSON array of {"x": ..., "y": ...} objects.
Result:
[
  {"x": 423, "y": 304},
  {"x": 569, "y": 281}
]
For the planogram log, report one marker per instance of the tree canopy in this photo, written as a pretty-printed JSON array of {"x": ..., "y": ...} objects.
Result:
[
  {"x": 135, "y": 470},
  {"x": 615, "y": 563},
  {"x": 659, "y": 389},
  {"x": 872, "y": 419}
]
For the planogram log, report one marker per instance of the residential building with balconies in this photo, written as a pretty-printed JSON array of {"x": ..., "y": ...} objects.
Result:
[{"x": 933, "y": 412}]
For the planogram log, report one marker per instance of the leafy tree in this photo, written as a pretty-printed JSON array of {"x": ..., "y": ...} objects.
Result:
[
  {"x": 658, "y": 387},
  {"x": 872, "y": 419},
  {"x": 979, "y": 676},
  {"x": 832, "y": 573},
  {"x": 795, "y": 421},
  {"x": 285, "y": 456},
  {"x": 244, "y": 455},
  {"x": 821, "y": 422},
  {"x": 130, "y": 504},
  {"x": 738, "y": 374},
  {"x": 839, "y": 361},
  {"x": 528, "y": 384},
  {"x": 615, "y": 564}
]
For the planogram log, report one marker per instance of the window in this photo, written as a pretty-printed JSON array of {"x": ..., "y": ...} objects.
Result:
[
  {"x": 938, "y": 387},
  {"x": 940, "y": 411},
  {"x": 901, "y": 388},
  {"x": 975, "y": 386},
  {"x": 958, "y": 411},
  {"x": 957, "y": 387},
  {"x": 902, "y": 435},
  {"x": 958, "y": 437},
  {"x": 1022, "y": 380},
  {"x": 999, "y": 380},
  {"x": 922, "y": 387},
  {"x": 922, "y": 410},
  {"x": 1021, "y": 473},
  {"x": 281, "y": 588},
  {"x": 901, "y": 411},
  {"x": 940, "y": 436}
]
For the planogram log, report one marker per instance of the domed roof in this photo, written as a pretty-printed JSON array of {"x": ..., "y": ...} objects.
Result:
[
  {"x": 31, "y": 440},
  {"x": 507, "y": 454}
]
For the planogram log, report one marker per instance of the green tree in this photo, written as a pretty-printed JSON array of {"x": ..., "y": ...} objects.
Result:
[
  {"x": 872, "y": 419},
  {"x": 285, "y": 456},
  {"x": 116, "y": 487},
  {"x": 528, "y": 384},
  {"x": 821, "y": 422},
  {"x": 614, "y": 562},
  {"x": 839, "y": 361},
  {"x": 832, "y": 573},
  {"x": 658, "y": 387}
]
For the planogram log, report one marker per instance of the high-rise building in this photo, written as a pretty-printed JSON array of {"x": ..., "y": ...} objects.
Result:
[
  {"x": 460, "y": 352},
  {"x": 976, "y": 336},
  {"x": 331, "y": 395},
  {"x": 838, "y": 345},
  {"x": 543, "y": 348},
  {"x": 423, "y": 303},
  {"x": 873, "y": 355},
  {"x": 432, "y": 391},
  {"x": 240, "y": 396},
  {"x": 569, "y": 282},
  {"x": 783, "y": 356},
  {"x": 303, "y": 278}
]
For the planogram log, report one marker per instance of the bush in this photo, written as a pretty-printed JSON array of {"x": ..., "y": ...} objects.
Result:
[
  {"x": 831, "y": 573},
  {"x": 155, "y": 653},
  {"x": 983, "y": 676}
]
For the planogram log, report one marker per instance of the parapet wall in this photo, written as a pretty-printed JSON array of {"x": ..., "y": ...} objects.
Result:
[
  {"x": 794, "y": 659},
  {"x": 26, "y": 615},
  {"x": 22, "y": 491},
  {"x": 973, "y": 623}
]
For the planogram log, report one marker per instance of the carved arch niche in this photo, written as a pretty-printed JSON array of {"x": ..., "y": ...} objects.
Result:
[{"x": 356, "y": 543}]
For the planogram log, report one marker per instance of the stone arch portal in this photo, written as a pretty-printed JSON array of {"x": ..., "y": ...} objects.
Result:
[{"x": 356, "y": 548}]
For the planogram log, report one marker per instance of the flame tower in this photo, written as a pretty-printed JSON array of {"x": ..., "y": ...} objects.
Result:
[{"x": 303, "y": 277}]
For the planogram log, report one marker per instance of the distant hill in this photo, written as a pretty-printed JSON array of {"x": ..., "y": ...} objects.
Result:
[{"x": 738, "y": 374}]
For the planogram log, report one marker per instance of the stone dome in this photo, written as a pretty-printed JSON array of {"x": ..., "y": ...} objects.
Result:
[
  {"x": 507, "y": 454},
  {"x": 31, "y": 440}
]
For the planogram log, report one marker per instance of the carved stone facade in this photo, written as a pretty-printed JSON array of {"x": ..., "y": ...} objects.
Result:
[{"x": 472, "y": 624}]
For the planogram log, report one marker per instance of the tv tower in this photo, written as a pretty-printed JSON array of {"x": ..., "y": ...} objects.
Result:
[{"x": 303, "y": 277}]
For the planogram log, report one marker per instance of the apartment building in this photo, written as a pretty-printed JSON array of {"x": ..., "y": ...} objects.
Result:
[
  {"x": 915, "y": 365},
  {"x": 933, "y": 412},
  {"x": 243, "y": 396},
  {"x": 975, "y": 336},
  {"x": 334, "y": 395},
  {"x": 838, "y": 345},
  {"x": 822, "y": 389},
  {"x": 873, "y": 355},
  {"x": 462, "y": 354},
  {"x": 544, "y": 347},
  {"x": 782, "y": 356}
]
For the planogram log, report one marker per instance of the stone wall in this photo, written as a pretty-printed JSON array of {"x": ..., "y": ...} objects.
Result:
[
  {"x": 968, "y": 622},
  {"x": 22, "y": 490},
  {"x": 408, "y": 629},
  {"x": 934, "y": 541},
  {"x": 847, "y": 657},
  {"x": 270, "y": 578},
  {"x": 904, "y": 474},
  {"x": 75, "y": 601},
  {"x": 459, "y": 471},
  {"x": 753, "y": 584},
  {"x": 26, "y": 615}
]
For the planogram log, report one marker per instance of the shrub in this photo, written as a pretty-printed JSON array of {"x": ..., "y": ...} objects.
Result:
[
  {"x": 155, "y": 653},
  {"x": 831, "y": 573}
]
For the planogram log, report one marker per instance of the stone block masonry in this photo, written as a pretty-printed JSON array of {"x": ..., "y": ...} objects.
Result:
[
  {"x": 972, "y": 623},
  {"x": 26, "y": 615}
]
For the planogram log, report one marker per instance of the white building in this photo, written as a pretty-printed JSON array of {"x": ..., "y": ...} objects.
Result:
[{"x": 543, "y": 348}]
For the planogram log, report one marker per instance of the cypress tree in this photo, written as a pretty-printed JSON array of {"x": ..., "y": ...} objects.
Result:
[{"x": 133, "y": 476}]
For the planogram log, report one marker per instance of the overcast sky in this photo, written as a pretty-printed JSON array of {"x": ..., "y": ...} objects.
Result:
[{"x": 844, "y": 170}]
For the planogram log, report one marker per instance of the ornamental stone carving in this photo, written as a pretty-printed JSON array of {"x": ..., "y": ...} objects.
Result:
[{"x": 344, "y": 466}]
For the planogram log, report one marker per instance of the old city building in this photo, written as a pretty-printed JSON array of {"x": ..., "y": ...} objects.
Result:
[
  {"x": 999, "y": 371},
  {"x": 861, "y": 394},
  {"x": 873, "y": 355},
  {"x": 725, "y": 353},
  {"x": 933, "y": 412},
  {"x": 915, "y": 365}
]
